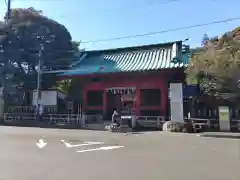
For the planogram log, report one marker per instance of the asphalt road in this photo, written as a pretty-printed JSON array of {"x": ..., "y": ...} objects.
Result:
[{"x": 147, "y": 156}]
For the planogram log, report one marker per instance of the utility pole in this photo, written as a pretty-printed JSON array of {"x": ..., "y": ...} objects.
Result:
[
  {"x": 39, "y": 83},
  {"x": 3, "y": 86},
  {"x": 8, "y": 10}
]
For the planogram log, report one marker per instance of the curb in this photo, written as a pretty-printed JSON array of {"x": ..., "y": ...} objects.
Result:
[{"x": 229, "y": 136}]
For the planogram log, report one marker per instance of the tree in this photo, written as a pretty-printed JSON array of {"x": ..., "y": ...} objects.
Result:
[
  {"x": 22, "y": 39},
  {"x": 64, "y": 85},
  {"x": 216, "y": 66}
]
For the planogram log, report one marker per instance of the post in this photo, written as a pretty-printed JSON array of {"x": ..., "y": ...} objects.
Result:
[
  {"x": 39, "y": 82},
  {"x": 8, "y": 10}
]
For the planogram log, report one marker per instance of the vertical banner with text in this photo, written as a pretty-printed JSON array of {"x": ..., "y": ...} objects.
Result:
[
  {"x": 176, "y": 102},
  {"x": 224, "y": 118}
]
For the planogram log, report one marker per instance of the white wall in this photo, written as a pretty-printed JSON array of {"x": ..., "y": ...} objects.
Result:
[{"x": 48, "y": 98}]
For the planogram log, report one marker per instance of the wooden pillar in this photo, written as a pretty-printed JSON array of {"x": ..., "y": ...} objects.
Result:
[
  {"x": 104, "y": 101},
  {"x": 164, "y": 98},
  {"x": 138, "y": 101},
  {"x": 85, "y": 103}
]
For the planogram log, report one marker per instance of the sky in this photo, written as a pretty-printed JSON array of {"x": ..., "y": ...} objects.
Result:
[{"x": 91, "y": 20}]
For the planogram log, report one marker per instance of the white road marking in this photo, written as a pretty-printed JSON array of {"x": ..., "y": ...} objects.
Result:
[
  {"x": 68, "y": 145},
  {"x": 101, "y": 148},
  {"x": 41, "y": 143},
  {"x": 93, "y": 143}
]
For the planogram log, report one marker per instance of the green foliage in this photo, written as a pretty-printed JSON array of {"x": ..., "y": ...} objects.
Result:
[
  {"x": 71, "y": 87},
  {"x": 20, "y": 43},
  {"x": 216, "y": 66},
  {"x": 64, "y": 85}
]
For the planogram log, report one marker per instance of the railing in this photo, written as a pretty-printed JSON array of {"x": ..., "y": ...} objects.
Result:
[
  {"x": 200, "y": 124},
  {"x": 213, "y": 124},
  {"x": 81, "y": 120},
  {"x": 235, "y": 125},
  {"x": 93, "y": 119},
  {"x": 62, "y": 119},
  {"x": 57, "y": 119},
  {"x": 150, "y": 121},
  {"x": 14, "y": 117},
  {"x": 212, "y": 113},
  {"x": 30, "y": 109}
]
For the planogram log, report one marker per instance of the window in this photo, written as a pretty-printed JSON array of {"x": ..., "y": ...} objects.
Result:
[
  {"x": 150, "y": 113},
  {"x": 95, "y": 98},
  {"x": 150, "y": 97}
]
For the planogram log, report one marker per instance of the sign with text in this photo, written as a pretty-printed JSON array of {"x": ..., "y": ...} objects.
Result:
[
  {"x": 224, "y": 118},
  {"x": 176, "y": 102}
]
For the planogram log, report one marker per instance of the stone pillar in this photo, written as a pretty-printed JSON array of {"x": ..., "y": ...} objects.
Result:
[
  {"x": 1, "y": 105},
  {"x": 138, "y": 101},
  {"x": 83, "y": 120},
  {"x": 224, "y": 118},
  {"x": 176, "y": 102},
  {"x": 134, "y": 122}
]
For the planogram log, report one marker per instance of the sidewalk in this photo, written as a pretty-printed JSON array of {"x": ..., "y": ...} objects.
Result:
[{"x": 221, "y": 135}]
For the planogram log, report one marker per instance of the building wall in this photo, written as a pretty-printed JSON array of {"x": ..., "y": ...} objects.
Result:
[{"x": 143, "y": 81}]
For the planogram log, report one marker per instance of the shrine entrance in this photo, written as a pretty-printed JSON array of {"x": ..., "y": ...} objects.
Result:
[{"x": 122, "y": 99}]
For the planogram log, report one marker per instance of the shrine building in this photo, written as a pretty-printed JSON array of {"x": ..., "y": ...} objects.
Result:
[{"x": 133, "y": 80}]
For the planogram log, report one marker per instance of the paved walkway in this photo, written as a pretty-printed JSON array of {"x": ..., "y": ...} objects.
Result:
[{"x": 221, "y": 135}]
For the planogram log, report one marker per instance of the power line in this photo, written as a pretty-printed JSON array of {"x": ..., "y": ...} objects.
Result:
[
  {"x": 143, "y": 5},
  {"x": 163, "y": 31},
  {"x": 129, "y": 7}
]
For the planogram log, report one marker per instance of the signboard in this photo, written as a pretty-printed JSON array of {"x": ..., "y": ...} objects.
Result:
[
  {"x": 224, "y": 118},
  {"x": 48, "y": 98},
  {"x": 121, "y": 90},
  {"x": 176, "y": 102}
]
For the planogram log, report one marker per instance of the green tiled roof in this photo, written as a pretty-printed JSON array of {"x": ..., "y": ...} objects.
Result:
[{"x": 145, "y": 58}]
